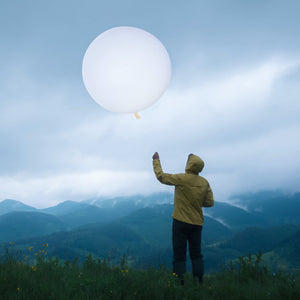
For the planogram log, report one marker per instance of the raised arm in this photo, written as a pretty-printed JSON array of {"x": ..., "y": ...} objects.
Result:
[{"x": 165, "y": 178}]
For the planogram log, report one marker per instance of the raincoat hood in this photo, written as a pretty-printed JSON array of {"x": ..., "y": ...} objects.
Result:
[{"x": 194, "y": 164}]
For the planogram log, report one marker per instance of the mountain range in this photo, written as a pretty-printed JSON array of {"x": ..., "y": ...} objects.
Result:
[{"x": 140, "y": 227}]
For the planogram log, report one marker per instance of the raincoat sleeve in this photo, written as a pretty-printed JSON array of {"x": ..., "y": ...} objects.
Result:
[
  {"x": 165, "y": 178},
  {"x": 209, "y": 198}
]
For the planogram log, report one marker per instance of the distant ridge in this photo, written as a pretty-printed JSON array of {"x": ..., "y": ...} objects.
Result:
[
  {"x": 275, "y": 207},
  {"x": 138, "y": 200},
  {"x": 9, "y": 205},
  {"x": 263, "y": 209},
  {"x": 65, "y": 207},
  {"x": 140, "y": 227}
]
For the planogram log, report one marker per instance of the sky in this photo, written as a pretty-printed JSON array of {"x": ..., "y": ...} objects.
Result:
[{"x": 233, "y": 99}]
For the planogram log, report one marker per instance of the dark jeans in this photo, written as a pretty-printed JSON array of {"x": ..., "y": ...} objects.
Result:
[{"x": 181, "y": 234}]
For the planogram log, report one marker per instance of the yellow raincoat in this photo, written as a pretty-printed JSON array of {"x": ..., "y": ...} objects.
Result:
[{"x": 192, "y": 192}]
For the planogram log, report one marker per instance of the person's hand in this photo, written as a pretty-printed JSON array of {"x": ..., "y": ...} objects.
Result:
[{"x": 155, "y": 156}]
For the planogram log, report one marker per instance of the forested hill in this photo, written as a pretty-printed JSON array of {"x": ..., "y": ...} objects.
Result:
[{"x": 142, "y": 230}]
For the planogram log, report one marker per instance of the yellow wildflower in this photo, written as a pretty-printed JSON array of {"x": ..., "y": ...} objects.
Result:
[{"x": 30, "y": 248}]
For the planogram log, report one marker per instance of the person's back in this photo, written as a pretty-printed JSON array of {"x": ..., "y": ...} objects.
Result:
[{"x": 192, "y": 192}]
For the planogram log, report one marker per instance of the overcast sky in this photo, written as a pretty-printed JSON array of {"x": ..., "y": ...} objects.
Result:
[{"x": 233, "y": 99}]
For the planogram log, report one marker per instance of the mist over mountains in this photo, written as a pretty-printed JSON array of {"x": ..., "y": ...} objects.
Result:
[{"x": 140, "y": 227}]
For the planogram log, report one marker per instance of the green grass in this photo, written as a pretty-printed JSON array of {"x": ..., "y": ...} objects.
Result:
[{"x": 35, "y": 276}]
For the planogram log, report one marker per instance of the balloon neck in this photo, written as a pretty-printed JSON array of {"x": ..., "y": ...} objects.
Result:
[{"x": 137, "y": 115}]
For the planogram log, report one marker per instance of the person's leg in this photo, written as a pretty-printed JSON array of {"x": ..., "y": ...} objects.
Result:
[
  {"x": 194, "y": 240},
  {"x": 179, "y": 238}
]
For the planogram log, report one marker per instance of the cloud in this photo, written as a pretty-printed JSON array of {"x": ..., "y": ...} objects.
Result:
[
  {"x": 44, "y": 191},
  {"x": 267, "y": 162},
  {"x": 59, "y": 144}
]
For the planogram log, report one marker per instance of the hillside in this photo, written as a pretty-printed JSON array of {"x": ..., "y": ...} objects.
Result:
[
  {"x": 285, "y": 255},
  {"x": 17, "y": 225},
  {"x": 155, "y": 225},
  {"x": 234, "y": 217},
  {"x": 145, "y": 237},
  {"x": 254, "y": 239},
  {"x": 101, "y": 241}
]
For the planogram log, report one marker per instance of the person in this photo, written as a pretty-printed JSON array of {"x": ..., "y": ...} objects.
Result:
[{"x": 192, "y": 192}]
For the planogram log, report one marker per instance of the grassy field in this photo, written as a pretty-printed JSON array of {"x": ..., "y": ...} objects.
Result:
[{"x": 35, "y": 276}]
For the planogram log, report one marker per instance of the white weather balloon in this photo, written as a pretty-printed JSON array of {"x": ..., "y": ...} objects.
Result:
[{"x": 126, "y": 69}]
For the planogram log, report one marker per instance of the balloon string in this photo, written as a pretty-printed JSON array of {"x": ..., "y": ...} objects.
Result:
[{"x": 137, "y": 115}]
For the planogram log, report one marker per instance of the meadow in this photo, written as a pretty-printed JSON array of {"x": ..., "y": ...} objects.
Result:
[{"x": 31, "y": 274}]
